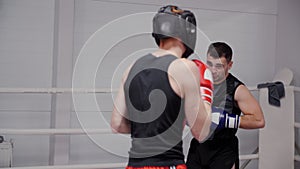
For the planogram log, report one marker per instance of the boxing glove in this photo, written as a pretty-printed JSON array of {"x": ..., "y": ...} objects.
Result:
[
  {"x": 222, "y": 119},
  {"x": 206, "y": 82}
]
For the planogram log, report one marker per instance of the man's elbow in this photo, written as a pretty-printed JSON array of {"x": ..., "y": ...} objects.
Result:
[
  {"x": 261, "y": 123},
  {"x": 197, "y": 136},
  {"x": 203, "y": 132},
  {"x": 123, "y": 129},
  {"x": 201, "y": 137},
  {"x": 114, "y": 128},
  {"x": 257, "y": 124}
]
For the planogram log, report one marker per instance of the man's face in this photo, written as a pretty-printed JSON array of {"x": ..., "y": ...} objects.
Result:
[{"x": 218, "y": 67}]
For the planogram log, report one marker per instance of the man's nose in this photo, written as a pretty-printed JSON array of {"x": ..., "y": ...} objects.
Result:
[{"x": 212, "y": 69}]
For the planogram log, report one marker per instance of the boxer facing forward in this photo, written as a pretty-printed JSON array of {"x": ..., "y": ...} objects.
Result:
[{"x": 230, "y": 98}]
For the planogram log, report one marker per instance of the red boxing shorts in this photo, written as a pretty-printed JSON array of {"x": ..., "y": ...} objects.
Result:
[{"x": 181, "y": 166}]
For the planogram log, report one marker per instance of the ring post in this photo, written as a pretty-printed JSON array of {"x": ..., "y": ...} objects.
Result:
[{"x": 276, "y": 139}]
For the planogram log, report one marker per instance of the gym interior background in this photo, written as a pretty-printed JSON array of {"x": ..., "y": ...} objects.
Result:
[{"x": 40, "y": 41}]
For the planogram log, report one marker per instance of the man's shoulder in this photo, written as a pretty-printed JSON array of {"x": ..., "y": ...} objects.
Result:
[
  {"x": 183, "y": 69},
  {"x": 184, "y": 63},
  {"x": 231, "y": 76},
  {"x": 234, "y": 79}
]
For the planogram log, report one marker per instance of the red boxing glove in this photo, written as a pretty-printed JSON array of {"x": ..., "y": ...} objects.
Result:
[{"x": 206, "y": 82}]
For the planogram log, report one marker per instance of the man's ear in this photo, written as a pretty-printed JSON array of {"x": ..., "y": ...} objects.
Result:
[{"x": 230, "y": 64}]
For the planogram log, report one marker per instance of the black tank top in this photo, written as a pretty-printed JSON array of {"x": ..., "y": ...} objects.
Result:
[
  {"x": 155, "y": 113},
  {"x": 224, "y": 98}
]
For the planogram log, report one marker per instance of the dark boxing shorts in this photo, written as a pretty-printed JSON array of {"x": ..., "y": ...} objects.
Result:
[{"x": 215, "y": 154}]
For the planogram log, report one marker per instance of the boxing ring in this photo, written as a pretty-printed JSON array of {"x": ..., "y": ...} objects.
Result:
[{"x": 264, "y": 156}]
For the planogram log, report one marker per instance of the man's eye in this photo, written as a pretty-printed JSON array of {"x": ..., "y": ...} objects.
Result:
[{"x": 219, "y": 66}]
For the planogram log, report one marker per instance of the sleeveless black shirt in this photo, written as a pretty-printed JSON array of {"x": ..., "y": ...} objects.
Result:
[
  {"x": 224, "y": 98},
  {"x": 155, "y": 113}
]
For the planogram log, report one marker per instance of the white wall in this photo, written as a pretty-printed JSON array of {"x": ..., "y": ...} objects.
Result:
[
  {"x": 288, "y": 37},
  {"x": 26, "y": 44},
  {"x": 288, "y": 44},
  {"x": 247, "y": 27}
]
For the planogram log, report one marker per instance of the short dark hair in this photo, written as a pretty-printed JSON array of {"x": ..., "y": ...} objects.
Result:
[{"x": 220, "y": 49}]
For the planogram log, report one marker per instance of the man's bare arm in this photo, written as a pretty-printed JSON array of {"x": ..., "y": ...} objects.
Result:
[
  {"x": 252, "y": 117},
  {"x": 198, "y": 115},
  {"x": 119, "y": 119}
]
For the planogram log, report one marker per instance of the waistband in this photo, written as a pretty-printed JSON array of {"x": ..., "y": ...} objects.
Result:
[{"x": 180, "y": 166}]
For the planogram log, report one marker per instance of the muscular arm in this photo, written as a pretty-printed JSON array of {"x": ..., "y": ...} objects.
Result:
[
  {"x": 252, "y": 117},
  {"x": 119, "y": 119},
  {"x": 198, "y": 113}
]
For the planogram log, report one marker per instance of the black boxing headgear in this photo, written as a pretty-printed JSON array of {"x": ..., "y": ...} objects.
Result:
[{"x": 171, "y": 21}]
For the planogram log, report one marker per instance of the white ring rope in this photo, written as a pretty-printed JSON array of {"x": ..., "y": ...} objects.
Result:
[
  {"x": 249, "y": 156},
  {"x": 79, "y": 166},
  {"x": 56, "y": 90},
  {"x": 81, "y": 131},
  {"x": 252, "y": 88},
  {"x": 296, "y": 89},
  {"x": 54, "y": 131}
]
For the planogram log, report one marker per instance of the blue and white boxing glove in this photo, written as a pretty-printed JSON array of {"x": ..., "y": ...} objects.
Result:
[{"x": 222, "y": 119}]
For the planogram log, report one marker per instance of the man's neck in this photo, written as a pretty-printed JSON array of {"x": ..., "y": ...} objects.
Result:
[
  {"x": 162, "y": 52},
  {"x": 170, "y": 46}
]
